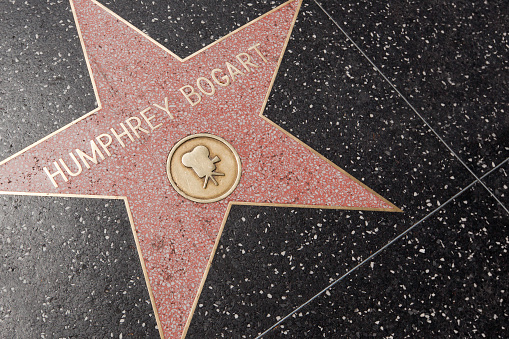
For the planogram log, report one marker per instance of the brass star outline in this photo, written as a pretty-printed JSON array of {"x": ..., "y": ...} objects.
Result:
[{"x": 231, "y": 203}]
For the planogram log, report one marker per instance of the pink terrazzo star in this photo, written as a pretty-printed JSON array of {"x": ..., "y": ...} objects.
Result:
[{"x": 138, "y": 86}]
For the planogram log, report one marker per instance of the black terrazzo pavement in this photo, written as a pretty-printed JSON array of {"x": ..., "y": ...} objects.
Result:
[
  {"x": 498, "y": 183},
  {"x": 450, "y": 58},
  {"x": 70, "y": 269},
  {"x": 44, "y": 80},
  {"x": 447, "y": 278},
  {"x": 272, "y": 260}
]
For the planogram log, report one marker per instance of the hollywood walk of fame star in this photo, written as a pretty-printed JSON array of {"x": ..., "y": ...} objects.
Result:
[{"x": 150, "y": 99}]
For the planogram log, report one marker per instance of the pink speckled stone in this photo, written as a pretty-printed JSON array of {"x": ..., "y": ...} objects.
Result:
[{"x": 177, "y": 236}]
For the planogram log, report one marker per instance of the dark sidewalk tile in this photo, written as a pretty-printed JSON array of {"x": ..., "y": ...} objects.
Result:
[
  {"x": 44, "y": 80},
  {"x": 446, "y": 278},
  {"x": 70, "y": 268},
  {"x": 270, "y": 260},
  {"x": 498, "y": 183},
  {"x": 449, "y": 59},
  {"x": 184, "y": 27}
]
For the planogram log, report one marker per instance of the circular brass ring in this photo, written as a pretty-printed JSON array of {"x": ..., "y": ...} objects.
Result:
[{"x": 186, "y": 181}]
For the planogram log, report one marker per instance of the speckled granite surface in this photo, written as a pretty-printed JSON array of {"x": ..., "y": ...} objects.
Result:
[
  {"x": 70, "y": 268},
  {"x": 408, "y": 99},
  {"x": 450, "y": 59},
  {"x": 447, "y": 278},
  {"x": 44, "y": 78}
]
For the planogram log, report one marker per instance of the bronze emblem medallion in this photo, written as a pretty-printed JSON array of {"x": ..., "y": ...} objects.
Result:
[{"x": 203, "y": 168}]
